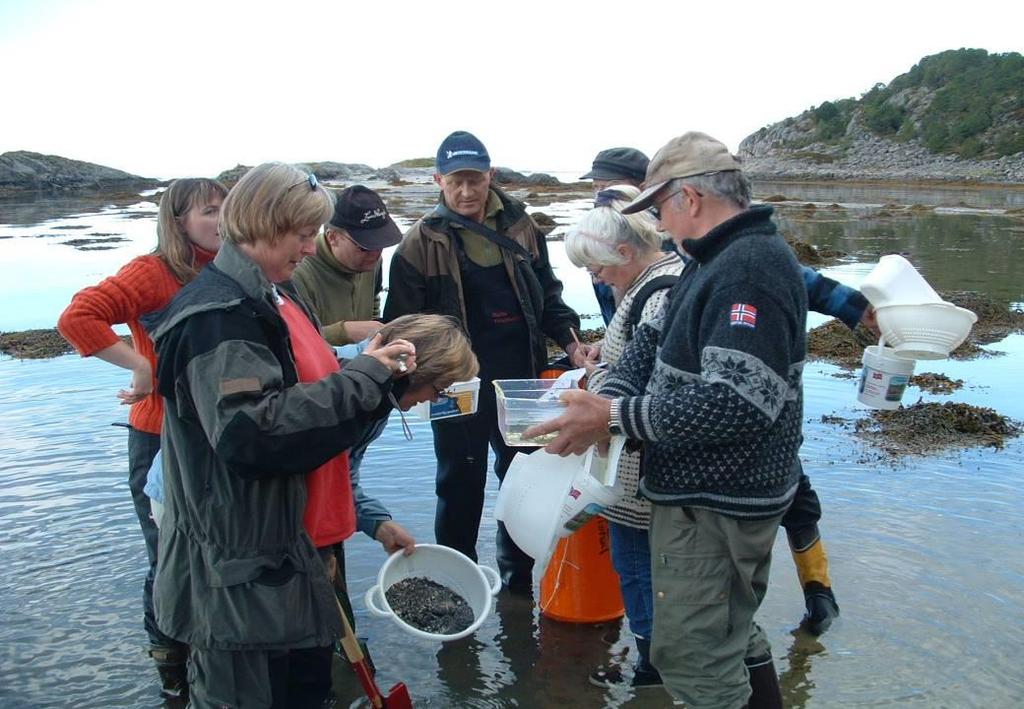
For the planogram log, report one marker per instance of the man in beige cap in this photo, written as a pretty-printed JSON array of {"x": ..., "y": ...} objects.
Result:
[{"x": 714, "y": 391}]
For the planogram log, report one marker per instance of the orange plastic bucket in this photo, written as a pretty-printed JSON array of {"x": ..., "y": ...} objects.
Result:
[{"x": 580, "y": 584}]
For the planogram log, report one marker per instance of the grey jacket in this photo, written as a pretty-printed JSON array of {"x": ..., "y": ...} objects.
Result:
[{"x": 237, "y": 570}]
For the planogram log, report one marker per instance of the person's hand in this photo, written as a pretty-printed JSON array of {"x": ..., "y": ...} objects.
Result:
[
  {"x": 870, "y": 320},
  {"x": 584, "y": 423},
  {"x": 141, "y": 386},
  {"x": 580, "y": 354},
  {"x": 399, "y": 355},
  {"x": 394, "y": 536}
]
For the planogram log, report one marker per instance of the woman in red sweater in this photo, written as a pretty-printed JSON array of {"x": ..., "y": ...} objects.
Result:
[{"x": 187, "y": 240}]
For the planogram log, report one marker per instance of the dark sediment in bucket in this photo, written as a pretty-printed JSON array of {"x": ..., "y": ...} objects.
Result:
[{"x": 428, "y": 606}]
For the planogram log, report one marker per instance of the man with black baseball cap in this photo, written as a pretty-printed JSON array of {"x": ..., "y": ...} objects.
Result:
[
  {"x": 342, "y": 282},
  {"x": 617, "y": 166},
  {"x": 614, "y": 166},
  {"x": 479, "y": 257}
]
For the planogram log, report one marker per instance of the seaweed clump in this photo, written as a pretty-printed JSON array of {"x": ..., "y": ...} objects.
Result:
[{"x": 925, "y": 428}]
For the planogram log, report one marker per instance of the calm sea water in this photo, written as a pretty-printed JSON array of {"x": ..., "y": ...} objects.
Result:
[{"x": 926, "y": 554}]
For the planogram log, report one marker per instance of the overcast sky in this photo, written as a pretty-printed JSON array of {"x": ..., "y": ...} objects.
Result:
[{"x": 192, "y": 87}]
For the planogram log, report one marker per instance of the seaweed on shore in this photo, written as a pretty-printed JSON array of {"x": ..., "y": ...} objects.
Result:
[
  {"x": 38, "y": 344},
  {"x": 34, "y": 344},
  {"x": 936, "y": 383},
  {"x": 926, "y": 428}
]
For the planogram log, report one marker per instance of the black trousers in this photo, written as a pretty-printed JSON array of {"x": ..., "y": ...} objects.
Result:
[{"x": 461, "y": 445}]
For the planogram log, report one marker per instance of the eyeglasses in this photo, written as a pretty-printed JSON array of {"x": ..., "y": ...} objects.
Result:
[
  {"x": 656, "y": 206},
  {"x": 357, "y": 244},
  {"x": 310, "y": 180},
  {"x": 439, "y": 391},
  {"x": 596, "y": 272}
]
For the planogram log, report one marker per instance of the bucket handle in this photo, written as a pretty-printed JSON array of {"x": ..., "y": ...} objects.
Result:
[
  {"x": 494, "y": 578},
  {"x": 370, "y": 600}
]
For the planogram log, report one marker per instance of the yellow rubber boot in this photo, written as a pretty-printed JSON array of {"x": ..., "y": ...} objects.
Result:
[{"x": 812, "y": 568}]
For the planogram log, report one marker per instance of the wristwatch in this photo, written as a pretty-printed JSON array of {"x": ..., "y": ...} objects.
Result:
[{"x": 615, "y": 418}]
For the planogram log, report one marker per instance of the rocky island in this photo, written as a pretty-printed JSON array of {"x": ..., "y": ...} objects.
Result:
[{"x": 957, "y": 116}]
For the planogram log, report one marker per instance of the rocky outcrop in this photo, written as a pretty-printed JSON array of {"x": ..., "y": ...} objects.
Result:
[
  {"x": 954, "y": 116},
  {"x": 786, "y": 150},
  {"x": 507, "y": 176},
  {"x": 333, "y": 171},
  {"x": 23, "y": 171}
]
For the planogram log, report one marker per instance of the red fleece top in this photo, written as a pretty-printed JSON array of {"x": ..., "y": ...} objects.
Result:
[
  {"x": 143, "y": 285},
  {"x": 330, "y": 515}
]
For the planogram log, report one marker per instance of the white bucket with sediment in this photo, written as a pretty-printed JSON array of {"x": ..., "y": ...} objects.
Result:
[{"x": 476, "y": 583}]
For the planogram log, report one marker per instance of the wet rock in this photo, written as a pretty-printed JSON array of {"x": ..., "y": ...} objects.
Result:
[
  {"x": 22, "y": 171},
  {"x": 38, "y": 344},
  {"x": 428, "y": 606},
  {"x": 836, "y": 343},
  {"x": 936, "y": 383}
]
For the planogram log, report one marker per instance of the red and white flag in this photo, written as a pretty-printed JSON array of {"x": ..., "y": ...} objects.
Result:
[{"x": 743, "y": 315}]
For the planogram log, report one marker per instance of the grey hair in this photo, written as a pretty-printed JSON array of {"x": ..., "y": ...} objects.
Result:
[
  {"x": 594, "y": 238},
  {"x": 729, "y": 185}
]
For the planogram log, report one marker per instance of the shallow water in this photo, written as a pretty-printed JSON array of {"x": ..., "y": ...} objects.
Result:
[{"x": 926, "y": 554}]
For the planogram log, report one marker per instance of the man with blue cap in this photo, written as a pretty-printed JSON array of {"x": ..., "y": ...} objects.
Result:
[{"x": 479, "y": 257}]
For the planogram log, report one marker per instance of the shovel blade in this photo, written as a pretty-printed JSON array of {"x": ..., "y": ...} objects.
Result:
[{"x": 398, "y": 697}]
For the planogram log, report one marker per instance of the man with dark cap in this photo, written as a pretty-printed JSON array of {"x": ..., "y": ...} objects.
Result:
[
  {"x": 341, "y": 283},
  {"x": 479, "y": 257},
  {"x": 617, "y": 166},
  {"x": 614, "y": 166}
]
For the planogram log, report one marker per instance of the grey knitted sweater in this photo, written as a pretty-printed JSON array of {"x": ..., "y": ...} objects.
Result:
[{"x": 714, "y": 388}]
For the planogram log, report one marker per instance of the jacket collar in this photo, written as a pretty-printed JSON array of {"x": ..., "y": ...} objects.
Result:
[
  {"x": 233, "y": 262},
  {"x": 508, "y": 213},
  {"x": 753, "y": 220}
]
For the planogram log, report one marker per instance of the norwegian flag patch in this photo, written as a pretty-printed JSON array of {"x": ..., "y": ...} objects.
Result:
[{"x": 743, "y": 315}]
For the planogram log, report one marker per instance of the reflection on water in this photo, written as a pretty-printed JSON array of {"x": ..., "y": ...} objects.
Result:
[{"x": 926, "y": 555}]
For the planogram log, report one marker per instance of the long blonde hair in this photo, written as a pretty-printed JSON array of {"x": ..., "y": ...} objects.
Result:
[{"x": 172, "y": 242}]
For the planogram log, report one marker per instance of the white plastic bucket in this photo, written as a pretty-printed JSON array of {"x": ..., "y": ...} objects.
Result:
[
  {"x": 476, "y": 583},
  {"x": 883, "y": 378},
  {"x": 895, "y": 281},
  {"x": 545, "y": 497}
]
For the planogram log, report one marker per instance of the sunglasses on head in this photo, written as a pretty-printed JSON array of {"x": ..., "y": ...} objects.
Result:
[{"x": 310, "y": 180}]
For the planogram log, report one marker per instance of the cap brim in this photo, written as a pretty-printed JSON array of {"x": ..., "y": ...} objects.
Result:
[
  {"x": 599, "y": 174},
  {"x": 474, "y": 165},
  {"x": 645, "y": 200},
  {"x": 379, "y": 238}
]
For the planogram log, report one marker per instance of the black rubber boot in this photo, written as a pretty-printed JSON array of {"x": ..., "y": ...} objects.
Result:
[
  {"x": 171, "y": 663},
  {"x": 822, "y": 608},
  {"x": 764, "y": 684}
]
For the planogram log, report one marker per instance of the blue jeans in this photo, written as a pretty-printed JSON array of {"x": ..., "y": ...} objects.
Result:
[{"x": 631, "y": 557}]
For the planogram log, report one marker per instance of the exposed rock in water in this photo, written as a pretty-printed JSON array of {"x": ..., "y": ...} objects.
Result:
[
  {"x": 811, "y": 255},
  {"x": 325, "y": 170},
  {"x": 34, "y": 344},
  {"x": 507, "y": 176},
  {"x": 926, "y": 428},
  {"x": 21, "y": 171},
  {"x": 836, "y": 343},
  {"x": 936, "y": 383},
  {"x": 428, "y": 606}
]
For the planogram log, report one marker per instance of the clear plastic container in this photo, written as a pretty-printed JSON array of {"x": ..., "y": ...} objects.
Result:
[{"x": 523, "y": 403}]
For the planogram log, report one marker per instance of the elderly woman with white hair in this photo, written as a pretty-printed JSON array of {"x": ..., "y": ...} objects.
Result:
[{"x": 624, "y": 251}]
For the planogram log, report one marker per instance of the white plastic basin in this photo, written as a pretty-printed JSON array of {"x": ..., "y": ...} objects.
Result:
[{"x": 924, "y": 330}]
